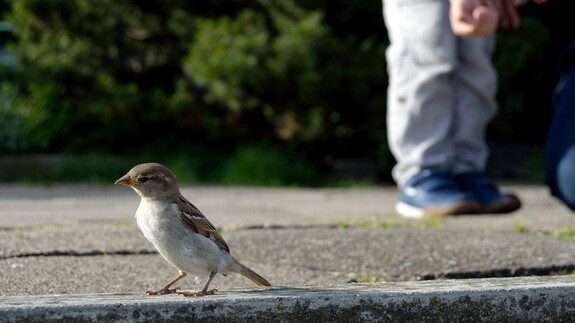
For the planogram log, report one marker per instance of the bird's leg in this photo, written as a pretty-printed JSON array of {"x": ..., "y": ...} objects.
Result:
[
  {"x": 205, "y": 290},
  {"x": 166, "y": 289}
]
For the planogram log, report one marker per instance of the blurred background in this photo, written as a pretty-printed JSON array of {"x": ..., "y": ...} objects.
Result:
[{"x": 251, "y": 92}]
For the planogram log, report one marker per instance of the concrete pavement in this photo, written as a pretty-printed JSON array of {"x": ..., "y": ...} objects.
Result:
[{"x": 78, "y": 239}]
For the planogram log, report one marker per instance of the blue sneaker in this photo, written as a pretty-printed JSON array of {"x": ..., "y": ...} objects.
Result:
[
  {"x": 492, "y": 201},
  {"x": 434, "y": 193}
]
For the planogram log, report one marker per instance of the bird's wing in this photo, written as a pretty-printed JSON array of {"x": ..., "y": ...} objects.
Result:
[{"x": 197, "y": 222}]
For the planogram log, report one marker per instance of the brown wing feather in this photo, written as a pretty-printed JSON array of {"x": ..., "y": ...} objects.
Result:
[{"x": 197, "y": 222}]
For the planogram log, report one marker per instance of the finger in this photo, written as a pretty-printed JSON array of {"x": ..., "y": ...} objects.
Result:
[
  {"x": 512, "y": 13},
  {"x": 494, "y": 4},
  {"x": 486, "y": 21},
  {"x": 482, "y": 21},
  {"x": 501, "y": 9},
  {"x": 519, "y": 3},
  {"x": 507, "y": 12}
]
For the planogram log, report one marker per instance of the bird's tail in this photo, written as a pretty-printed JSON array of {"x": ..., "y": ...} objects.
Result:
[{"x": 252, "y": 275}]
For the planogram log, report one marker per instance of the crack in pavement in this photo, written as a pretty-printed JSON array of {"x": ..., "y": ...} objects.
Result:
[
  {"x": 72, "y": 253},
  {"x": 553, "y": 270}
]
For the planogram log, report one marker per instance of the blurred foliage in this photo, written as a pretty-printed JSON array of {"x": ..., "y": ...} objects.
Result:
[
  {"x": 526, "y": 61},
  {"x": 517, "y": 49},
  {"x": 49, "y": 168},
  {"x": 268, "y": 166},
  {"x": 213, "y": 86}
]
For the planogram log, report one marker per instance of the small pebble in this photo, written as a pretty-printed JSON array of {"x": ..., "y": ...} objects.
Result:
[{"x": 17, "y": 265}]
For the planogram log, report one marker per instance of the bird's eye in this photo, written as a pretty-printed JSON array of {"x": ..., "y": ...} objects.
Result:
[{"x": 142, "y": 179}]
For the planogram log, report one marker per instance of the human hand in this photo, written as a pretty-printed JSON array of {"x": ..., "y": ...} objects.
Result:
[{"x": 481, "y": 17}]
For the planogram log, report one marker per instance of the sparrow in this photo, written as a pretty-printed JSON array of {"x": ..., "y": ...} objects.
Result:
[{"x": 183, "y": 236}]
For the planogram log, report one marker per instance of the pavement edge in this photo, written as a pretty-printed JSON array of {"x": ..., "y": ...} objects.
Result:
[{"x": 541, "y": 299}]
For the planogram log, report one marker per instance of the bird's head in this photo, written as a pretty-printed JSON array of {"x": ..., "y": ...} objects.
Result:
[{"x": 151, "y": 181}]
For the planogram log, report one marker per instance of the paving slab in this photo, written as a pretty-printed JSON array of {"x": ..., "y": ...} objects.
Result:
[
  {"x": 229, "y": 207},
  {"x": 297, "y": 257},
  {"x": 83, "y": 240}
]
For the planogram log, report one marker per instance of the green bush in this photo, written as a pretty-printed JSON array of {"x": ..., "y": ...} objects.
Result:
[
  {"x": 268, "y": 166},
  {"x": 518, "y": 60},
  {"x": 281, "y": 73},
  {"x": 96, "y": 74},
  {"x": 158, "y": 77}
]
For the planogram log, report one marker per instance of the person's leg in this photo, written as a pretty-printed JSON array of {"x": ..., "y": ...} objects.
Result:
[
  {"x": 420, "y": 109},
  {"x": 475, "y": 83},
  {"x": 421, "y": 59},
  {"x": 560, "y": 144}
]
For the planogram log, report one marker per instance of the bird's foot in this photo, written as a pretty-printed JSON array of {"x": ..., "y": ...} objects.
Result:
[
  {"x": 198, "y": 294},
  {"x": 164, "y": 291}
]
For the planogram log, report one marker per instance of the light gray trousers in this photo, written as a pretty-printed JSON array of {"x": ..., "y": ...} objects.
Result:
[{"x": 441, "y": 93}]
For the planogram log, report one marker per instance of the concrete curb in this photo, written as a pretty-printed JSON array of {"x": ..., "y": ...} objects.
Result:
[{"x": 540, "y": 299}]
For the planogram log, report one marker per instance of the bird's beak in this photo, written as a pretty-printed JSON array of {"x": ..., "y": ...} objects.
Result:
[{"x": 126, "y": 180}]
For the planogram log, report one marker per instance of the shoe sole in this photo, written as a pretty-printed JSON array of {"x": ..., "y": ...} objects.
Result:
[
  {"x": 506, "y": 205},
  {"x": 414, "y": 213}
]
